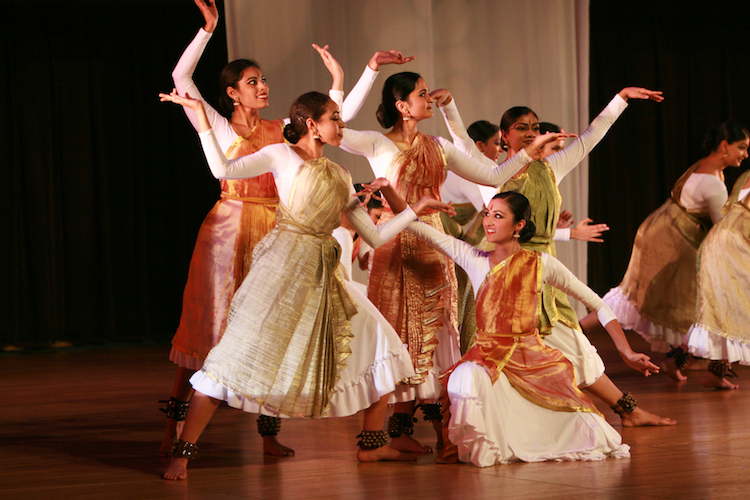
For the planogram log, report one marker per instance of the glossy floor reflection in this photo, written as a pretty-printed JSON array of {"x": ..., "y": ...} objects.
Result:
[{"x": 83, "y": 423}]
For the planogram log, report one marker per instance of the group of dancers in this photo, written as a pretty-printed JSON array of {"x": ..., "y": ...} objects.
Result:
[{"x": 495, "y": 358}]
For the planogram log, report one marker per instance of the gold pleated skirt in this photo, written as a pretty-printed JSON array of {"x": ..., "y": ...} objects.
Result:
[{"x": 288, "y": 329}]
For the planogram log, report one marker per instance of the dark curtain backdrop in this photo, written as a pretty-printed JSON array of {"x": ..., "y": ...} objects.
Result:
[
  {"x": 103, "y": 187},
  {"x": 696, "y": 52}
]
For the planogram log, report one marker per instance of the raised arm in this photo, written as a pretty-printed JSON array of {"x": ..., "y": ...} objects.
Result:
[
  {"x": 570, "y": 156},
  {"x": 459, "y": 135},
  {"x": 182, "y": 75},
  {"x": 556, "y": 274},
  {"x": 333, "y": 66},
  {"x": 358, "y": 95}
]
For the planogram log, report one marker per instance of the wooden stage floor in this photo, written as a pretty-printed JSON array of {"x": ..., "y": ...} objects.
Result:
[{"x": 84, "y": 424}]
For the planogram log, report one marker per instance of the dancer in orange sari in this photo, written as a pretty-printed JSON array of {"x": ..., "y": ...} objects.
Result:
[
  {"x": 511, "y": 397},
  {"x": 414, "y": 286}
]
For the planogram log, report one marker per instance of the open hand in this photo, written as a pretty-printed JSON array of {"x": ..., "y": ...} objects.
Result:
[
  {"x": 585, "y": 231},
  {"x": 186, "y": 101},
  {"x": 640, "y": 362},
  {"x": 427, "y": 203},
  {"x": 332, "y": 65},
  {"x": 382, "y": 57},
  {"x": 210, "y": 14},
  {"x": 376, "y": 185},
  {"x": 535, "y": 148},
  {"x": 641, "y": 93}
]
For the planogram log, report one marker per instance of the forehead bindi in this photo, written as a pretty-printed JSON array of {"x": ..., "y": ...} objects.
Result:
[
  {"x": 498, "y": 205},
  {"x": 528, "y": 119}
]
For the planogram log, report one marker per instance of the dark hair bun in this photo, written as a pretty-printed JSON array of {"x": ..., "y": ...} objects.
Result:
[
  {"x": 397, "y": 87},
  {"x": 290, "y": 134},
  {"x": 528, "y": 232},
  {"x": 386, "y": 119},
  {"x": 310, "y": 105}
]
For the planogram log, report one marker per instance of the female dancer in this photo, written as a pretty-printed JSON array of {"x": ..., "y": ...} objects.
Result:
[
  {"x": 413, "y": 285},
  {"x": 538, "y": 182},
  {"x": 511, "y": 397},
  {"x": 721, "y": 332},
  {"x": 288, "y": 329},
  {"x": 657, "y": 295},
  {"x": 236, "y": 223}
]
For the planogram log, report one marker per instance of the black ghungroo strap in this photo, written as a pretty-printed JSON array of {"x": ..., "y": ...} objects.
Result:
[
  {"x": 176, "y": 409},
  {"x": 401, "y": 423},
  {"x": 431, "y": 411},
  {"x": 626, "y": 404},
  {"x": 268, "y": 426},
  {"x": 721, "y": 368},
  {"x": 183, "y": 449},
  {"x": 681, "y": 358},
  {"x": 369, "y": 440}
]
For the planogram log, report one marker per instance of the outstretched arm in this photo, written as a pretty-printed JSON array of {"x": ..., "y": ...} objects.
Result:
[
  {"x": 557, "y": 275},
  {"x": 485, "y": 171},
  {"x": 377, "y": 235},
  {"x": 398, "y": 204},
  {"x": 251, "y": 165},
  {"x": 570, "y": 156}
]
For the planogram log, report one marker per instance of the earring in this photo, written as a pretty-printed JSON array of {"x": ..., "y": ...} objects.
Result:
[
  {"x": 406, "y": 117},
  {"x": 236, "y": 100},
  {"x": 316, "y": 136},
  {"x": 516, "y": 235},
  {"x": 726, "y": 154}
]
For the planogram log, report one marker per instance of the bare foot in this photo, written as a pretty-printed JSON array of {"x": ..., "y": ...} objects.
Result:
[
  {"x": 384, "y": 453},
  {"x": 711, "y": 381},
  {"x": 176, "y": 470},
  {"x": 408, "y": 444},
  {"x": 271, "y": 446},
  {"x": 642, "y": 418},
  {"x": 670, "y": 368}
]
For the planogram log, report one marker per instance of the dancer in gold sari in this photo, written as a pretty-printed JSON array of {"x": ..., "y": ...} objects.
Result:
[
  {"x": 288, "y": 330},
  {"x": 721, "y": 331},
  {"x": 237, "y": 222},
  {"x": 657, "y": 295}
]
